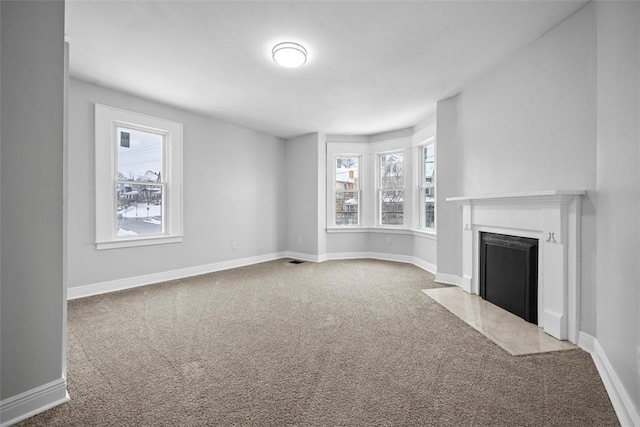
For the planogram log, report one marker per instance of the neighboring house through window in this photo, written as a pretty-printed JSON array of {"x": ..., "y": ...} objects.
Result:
[
  {"x": 138, "y": 179},
  {"x": 347, "y": 190},
  {"x": 391, "y": 190},
  {"x": 428, "y": 187}
]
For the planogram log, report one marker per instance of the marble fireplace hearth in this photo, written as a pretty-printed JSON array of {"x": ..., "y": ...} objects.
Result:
[{"x": 513, "y": 334}]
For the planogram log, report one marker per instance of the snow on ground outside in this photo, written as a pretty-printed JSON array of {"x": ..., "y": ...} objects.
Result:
[{"x": 141, "y": 212}]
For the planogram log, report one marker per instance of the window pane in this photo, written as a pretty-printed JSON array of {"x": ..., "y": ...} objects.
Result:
[
  {"x": 392, "y": 170},
  {"x": 139, "y": 209},
  {"x": 429, "y": 186},
  {"x": 392, "y": 207},
  {"x": 429, "y": 162},
  {"x": 347, "y": 208},
  {"x": 429, "y": 211},
  {"x": 429, "y": 203},
  {"x": 347, "y": 173},
  {"x": 139, "y": 155}
]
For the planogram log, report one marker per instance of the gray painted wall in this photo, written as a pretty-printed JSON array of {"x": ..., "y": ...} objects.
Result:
[
  {"x": 401, "y": 244},
  {"x": 348, "y": 242},
  {"x": 529, "y": 124},
  {"x": 448, "y": 214},
  {"x": 322, "y": 191},
  {"x": 234, "y": 190},
  {"x": 31, "y": 104},
  {"x": 618, "y": 187},
  {"x": 302, "y": 199},
  {"x": 425, "y": 248}
]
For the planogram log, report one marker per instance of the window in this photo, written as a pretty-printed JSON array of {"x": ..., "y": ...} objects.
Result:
[
  {"x": 391, "y": 188},
  {"x": 138, "y": 179},
  {"x": 347, "y": 190},
  {"x": 381, "y": 184},
  {"x": 428, "y": 187}
]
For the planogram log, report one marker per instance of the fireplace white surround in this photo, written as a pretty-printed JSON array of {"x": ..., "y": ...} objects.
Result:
[{"x": 552, "y": 217}]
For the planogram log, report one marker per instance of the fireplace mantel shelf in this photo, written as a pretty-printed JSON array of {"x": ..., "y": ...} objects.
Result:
[{"x": 521, "y": 195}]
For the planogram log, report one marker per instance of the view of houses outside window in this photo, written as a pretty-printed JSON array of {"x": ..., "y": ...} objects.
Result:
[
  {"x": 347, "y": 191},
  {"x": 138, "y": 179},
  {"x": 429, "y": 186},
  {"x": 139, "y": 182},
  {"x": 391, "y": 188}
]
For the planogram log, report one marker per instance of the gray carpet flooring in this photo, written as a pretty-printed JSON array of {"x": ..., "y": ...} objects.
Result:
[{"x": 340, "y": 343}]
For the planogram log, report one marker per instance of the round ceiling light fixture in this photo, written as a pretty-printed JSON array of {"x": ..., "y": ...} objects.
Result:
[{"x": 289, "y": 54}]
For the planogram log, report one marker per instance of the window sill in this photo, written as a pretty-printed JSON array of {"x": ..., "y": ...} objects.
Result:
[
  {"x": 347, "y": 230},
  {"x": 142, "y": 241},
  {"x": 386, "y": 230}
]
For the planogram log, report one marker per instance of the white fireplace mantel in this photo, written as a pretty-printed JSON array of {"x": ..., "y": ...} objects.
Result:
[{"x": 552, "y": 217}]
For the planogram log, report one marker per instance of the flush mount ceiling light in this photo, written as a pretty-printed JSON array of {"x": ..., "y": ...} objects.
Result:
[{"x": 289, "y": 54}]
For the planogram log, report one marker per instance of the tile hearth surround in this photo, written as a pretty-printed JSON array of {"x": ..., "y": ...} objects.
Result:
[{"x": 552, "y": 217}]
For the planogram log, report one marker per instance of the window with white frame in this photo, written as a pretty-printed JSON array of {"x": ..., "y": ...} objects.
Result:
[
  {"x": 391, "y": 188},
  {"x": 347, "y": 190},
  {"x": 428, "y": 187},
  {"x": 138, "y": 179}
]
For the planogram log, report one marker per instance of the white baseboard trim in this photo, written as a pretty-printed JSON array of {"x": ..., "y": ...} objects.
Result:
[
  {"x": 304, "y": 257},
  {"x": 626, "y": 410},
  {"x": 134, "y": 282},
  {"x": 586, "y": 342},
  {"x": 465, "y": 283},
  {"x": 427, "y": 266},
  {"x": 407, "y": 259},
  {"x": 32, "y": 402},
  {"x": 347, "y": 255},
  {"x": 553, "y": 324},
  {"x": 431, "y": 268},
  {"x": 449, "y": 279}
]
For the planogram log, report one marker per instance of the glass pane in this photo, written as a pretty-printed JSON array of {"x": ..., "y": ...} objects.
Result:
[
  {"x": 139, "y": 155},
  {"x": 429, "y": 162},
  {"x": 347, "y": 208},
  {"x": 347, "y": 173},
  {"x": 429, "y": 186},
  {"x": 429, "y": 211},
  {"x": 392, "y": 207},
  {"x": 139, "y": 209},
  {"x": 392, "y": 170}
]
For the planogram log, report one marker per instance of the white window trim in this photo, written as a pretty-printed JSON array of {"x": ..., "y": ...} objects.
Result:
[
  {"x": 106, "y": 120},
  {"x": 349, "y": 149},
  {"x": 421, "y": 187},
  {"x": 359, "y": 191}
]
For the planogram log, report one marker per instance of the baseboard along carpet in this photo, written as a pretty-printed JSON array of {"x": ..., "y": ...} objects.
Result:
[{"x": 350, "y": 343}]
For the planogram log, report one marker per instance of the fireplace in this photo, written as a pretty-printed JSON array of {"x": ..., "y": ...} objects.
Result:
[
  {"x": 509, "y": 273},
  {"x": 552, "y": 217}
]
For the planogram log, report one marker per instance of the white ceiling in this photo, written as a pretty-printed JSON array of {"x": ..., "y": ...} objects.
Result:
[{"x": 372, "y": 66}]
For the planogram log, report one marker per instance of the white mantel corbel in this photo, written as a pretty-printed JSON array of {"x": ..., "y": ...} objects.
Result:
[{"x": 552, "y": 217}]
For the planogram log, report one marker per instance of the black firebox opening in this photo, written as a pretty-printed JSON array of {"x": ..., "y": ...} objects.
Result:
[{"x": 509, "y": 273}]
